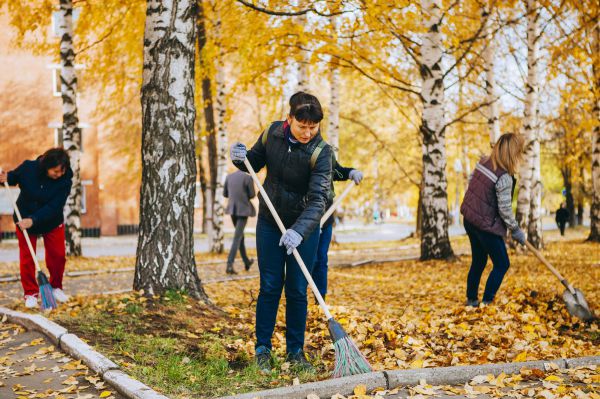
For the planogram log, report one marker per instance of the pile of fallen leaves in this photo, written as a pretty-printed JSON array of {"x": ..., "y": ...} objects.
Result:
[
  {"x": 406, "y": 314},
  {"x": 411, "y": 314}
]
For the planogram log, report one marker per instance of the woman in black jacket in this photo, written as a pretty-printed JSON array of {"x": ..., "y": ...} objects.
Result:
[
  {"x": 45, "y": 185},
  {"x": 298, "y": 164}
]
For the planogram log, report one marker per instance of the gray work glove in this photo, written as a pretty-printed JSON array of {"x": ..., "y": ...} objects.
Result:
[
  {"x": 518, "y": 235},
  {"x": 356, "y": 176},
  {"x": 238, "y": 152},
  {"x": 291, "y": 239}
]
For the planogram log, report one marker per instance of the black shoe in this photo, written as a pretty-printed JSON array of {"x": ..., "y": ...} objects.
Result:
[
  {"x": 230, "y": 270},
  {"x": 249, "y": 264},
  {"x": 263, "y": 359},
  {"x": 472, "y": 302},
  {"x": 299, "y": 362}
]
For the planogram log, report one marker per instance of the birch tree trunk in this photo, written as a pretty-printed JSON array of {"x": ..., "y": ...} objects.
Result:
[
  {"x": 530, "y": 119},
  {"x": 531, "y": 124},
  {"x": 435, "y": 243},
  {"x": 70, "y": 127},
  {"x": 165, "y": 252},
  {"x": 595, "y": 208},
  {"x": 489, "y": 56},
  {"x": 217, "y": 243},
  {"x": 333, "y": 128},
  {"x": 303, "y": 60}
]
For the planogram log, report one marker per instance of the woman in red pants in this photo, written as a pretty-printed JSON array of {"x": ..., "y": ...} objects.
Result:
[{"x": 45, "y": 184}]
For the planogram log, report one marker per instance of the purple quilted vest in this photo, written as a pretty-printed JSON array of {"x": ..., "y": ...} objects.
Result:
[{"x": 480, "y": 205}]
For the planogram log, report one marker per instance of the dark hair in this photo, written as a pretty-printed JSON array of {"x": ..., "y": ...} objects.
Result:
[
  {"x": 305, "y": 107},
  {"x": 55, "y": 157}
]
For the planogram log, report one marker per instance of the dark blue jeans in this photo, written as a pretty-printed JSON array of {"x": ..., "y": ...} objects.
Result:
[
  {"x": 484, "y": 244},
  {"x": 319, "y": 273},
  {"x": 279, "y": 270}
]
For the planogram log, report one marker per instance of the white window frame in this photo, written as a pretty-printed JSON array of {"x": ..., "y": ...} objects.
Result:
[
  {"x": 57, "y": 127},
  {"x": 84, "y": 195},
  {"x": 55, "y": 15},
  {"x": 56, "y": 88}
]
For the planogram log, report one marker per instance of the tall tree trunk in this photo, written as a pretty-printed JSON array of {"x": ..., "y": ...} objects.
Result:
[
  {"x": 595, "y": 208},
  {"x": 489, "y": 57},
  {"x": 435, "y": 243},
  {"x": 217, "y": 243},
  {"x": 209, "y": 187},
  {"x": 303, "y": 60},
  {"x": 530, "y": 119},
  {"x": 70, "y": 127},
  {"x": 203, "y": 186},
  {"x": 333, "y": 130},
  {"x": 165, "y": 252},
  {"x": 570, "y": 203}
]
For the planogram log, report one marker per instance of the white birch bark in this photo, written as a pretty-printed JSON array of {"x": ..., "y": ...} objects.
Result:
[
  {"x": 70, "y": 127},
  {"x": 435, "y": 243},
  {"x": 217, "y": 243},
  {"x": 595, "y": 208},
  {"x": 304, "y": 60},
  {"x": 333, "y": 128},
  {"x": 165, "y": 252},
  {"x": 529, "y": 120},
  {"x": 489, "y": 57}
]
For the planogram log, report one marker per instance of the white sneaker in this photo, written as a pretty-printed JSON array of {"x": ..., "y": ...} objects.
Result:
[
  {"x": 31, "y": 301},
  {"x": 59, "y": 295}
]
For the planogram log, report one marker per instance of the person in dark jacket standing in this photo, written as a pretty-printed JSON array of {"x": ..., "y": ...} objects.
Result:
[
  {"x": 45, "y": 185},
  {"x": 487, "y": 211},
  {"x": 319, "y": 274},
  {"x": 562, "y": 217},
  {"x": 239, "y": 189},
  {"x": 298, "y": 164}
]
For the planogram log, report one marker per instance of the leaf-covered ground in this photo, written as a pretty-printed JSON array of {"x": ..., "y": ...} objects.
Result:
[{"x": 406, "y": 314}]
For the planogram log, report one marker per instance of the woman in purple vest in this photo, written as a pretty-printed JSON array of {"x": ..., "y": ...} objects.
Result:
[{"x": 488, "y": 214}]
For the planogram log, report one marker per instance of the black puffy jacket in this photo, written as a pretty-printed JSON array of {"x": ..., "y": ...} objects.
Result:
[
  {"x": 297, "y": 189},
  {"x": 42, "y": 199}
]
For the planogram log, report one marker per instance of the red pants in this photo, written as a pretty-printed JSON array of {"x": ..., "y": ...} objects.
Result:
[{"x": 54, "y": 243}]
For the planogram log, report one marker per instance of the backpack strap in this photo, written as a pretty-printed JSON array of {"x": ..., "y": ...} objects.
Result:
[
  {"x": 267, "y": 132},
  {"x": 316, "y": 153}
]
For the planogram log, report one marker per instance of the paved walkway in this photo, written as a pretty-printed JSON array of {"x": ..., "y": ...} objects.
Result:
[{"x": 31, "y": 367}]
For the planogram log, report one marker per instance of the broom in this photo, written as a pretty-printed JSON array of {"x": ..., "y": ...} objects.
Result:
[
  {"x": 348, "y": 358},
  {"x": 46, "y": 295}
]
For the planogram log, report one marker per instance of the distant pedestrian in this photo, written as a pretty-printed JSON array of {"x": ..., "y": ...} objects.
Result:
[
  {"x": 239, "y": 189},
  {"x": 562, "y": 216},
  {"x": 488, "y": 214},
  {"x": 45, "y": 184}
]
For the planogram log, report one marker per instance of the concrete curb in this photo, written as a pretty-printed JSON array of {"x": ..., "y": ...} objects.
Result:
[
  {"x": 392, "y": 379},
  {"x": 325, "y": 389},
  {"x": 74, "y": 346}
]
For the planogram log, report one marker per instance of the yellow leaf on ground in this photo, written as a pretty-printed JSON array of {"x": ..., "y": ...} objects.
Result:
[
  {"x": 105, "y": 394},
  {"x": 553, "y": 378},
  {"x": 360, "y": 389},
  {"x": 521, "y": 357}
]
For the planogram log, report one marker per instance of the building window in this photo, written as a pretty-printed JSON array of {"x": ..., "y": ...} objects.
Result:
[
  {"x": 58, "y": 134},
  {"x": 84, "y": 183},
  {"x": 56, "y": 28},
  {"x": 56, "y": 84}
]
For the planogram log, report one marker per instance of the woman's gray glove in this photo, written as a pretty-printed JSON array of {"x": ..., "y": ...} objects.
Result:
[
  {"x": 356, "y": 176},
  {"x": 291, "y": 239},
  {"x": 518, "y": 235},
  {"x": 238, "y": 152}
]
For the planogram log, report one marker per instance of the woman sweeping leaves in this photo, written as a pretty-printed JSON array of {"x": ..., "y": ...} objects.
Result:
[
  {"x": 487, "y": 211},
  {"x": 45, "y": 184},
  {"x": 298, "y": 164}
]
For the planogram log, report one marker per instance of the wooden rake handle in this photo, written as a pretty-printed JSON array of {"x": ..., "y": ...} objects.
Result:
[
  {"x": 297, "y": 256},
  {"x": 543, "y": 259},
  {"x": 20, "y": 219},
  {"x": 337, "y": 202}
]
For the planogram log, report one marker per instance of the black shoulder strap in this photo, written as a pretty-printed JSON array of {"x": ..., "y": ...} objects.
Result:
[{"x": 316, "y": 153}]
